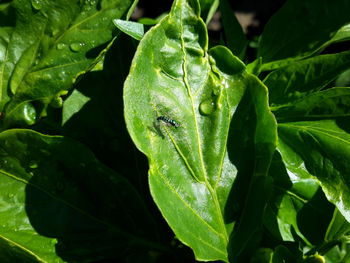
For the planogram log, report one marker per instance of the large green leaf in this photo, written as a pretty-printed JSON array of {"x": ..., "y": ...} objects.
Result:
[
  {"x": 58, "y": 203},
  {"x": 173, "y": 75},
  {"x": 320, "y": 149},
  {"x": 179, "y": 100},
  {"x": 303, "y": 77},
  {"x": 52, "y": 43},
  {"x": 301, "y": 27}
]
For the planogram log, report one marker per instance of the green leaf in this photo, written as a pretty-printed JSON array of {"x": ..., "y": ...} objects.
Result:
[
  {"x": 58, "y": 203},
  {"x": 282, "y": 254},
  {"x": 190, "y": 176},
  {"x": 290, "y": 194},
  {"x": 300, "y": 28},
  {"x": 208, "y": 8},
  {"x": 300, "y": 78},
  {"x": 330, "y": 103},
  {"x": 251, "y": 146},
  {"x": 73, "y": 104},
  {"x": 343, "y": 34},
  {"x": 235, "y": 38},
  {"x": 343, "y": 79},
  {"x": 133, "y": 29},
  {"x": 338, "y": 227},
  {"x": 52, "y": 43},
  {"x": 214, "y": 6},
  {"x": 322, "y": 149}
]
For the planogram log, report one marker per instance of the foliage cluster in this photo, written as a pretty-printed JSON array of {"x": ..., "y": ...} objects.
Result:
[{"x": 247, "y": 161}]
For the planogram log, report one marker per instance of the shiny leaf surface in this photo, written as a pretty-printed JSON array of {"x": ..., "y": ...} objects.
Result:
[
  {"x": 330, "y": 103},
  {"x": 320, "y": 148},
  {"x": 52, "y": 43},
  {"x": 303, "y": 77},
  {"x": 133, "y": 29}
]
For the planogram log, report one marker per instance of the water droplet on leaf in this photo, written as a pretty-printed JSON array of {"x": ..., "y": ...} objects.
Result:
[
  {"x": 75, "y": 47},
  {"x": 60, "y": 46},
  {"x": 37, "y": 4},
  {"x": 216, "y": 90},
  {"x": 206, "y": 107},
  {"x": 29, "y": 113}
]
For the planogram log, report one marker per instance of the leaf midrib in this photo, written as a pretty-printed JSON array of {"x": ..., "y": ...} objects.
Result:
[
  {"x": 170, "y": 186},
  {"x": 205, "y": 175}
]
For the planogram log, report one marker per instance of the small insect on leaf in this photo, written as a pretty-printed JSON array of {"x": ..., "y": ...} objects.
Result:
[{"x": 168, "y": 121}]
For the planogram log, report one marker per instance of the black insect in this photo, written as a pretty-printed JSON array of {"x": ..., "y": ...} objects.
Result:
[{"x": 168, "y": 121}]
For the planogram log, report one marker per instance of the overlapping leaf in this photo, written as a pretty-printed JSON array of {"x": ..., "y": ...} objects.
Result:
[
  {"x": 322, "y": 150},
  {"x": 58, "y": 203}
]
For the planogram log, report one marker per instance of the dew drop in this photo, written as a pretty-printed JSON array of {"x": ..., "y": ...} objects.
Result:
[
  {"x": 10, "y": 195},
  {"x": 75, "y": 47},
  {"x": 29, "y": 113},
  {"x": 60, "y": 46},
  {"x": 37, "y": 4},
  {"x": 216, "y": 90},
  {"x": 206, "y": 107}
]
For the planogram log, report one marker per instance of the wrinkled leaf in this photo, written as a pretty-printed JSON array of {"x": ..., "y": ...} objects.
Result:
[
  {"x": 330, "y": 103},
  {"x": 301, "y": 27},
  {"x": 58, "y": 203},
  {"x": 189, "y": 178},
  {"x": 52, "y": 43},
  {"x": 303, "y": 77},
  {"x": 179, "y": 100},
  {"x": 322, "y": 149},
  {"x": 174, "y": 76}
]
